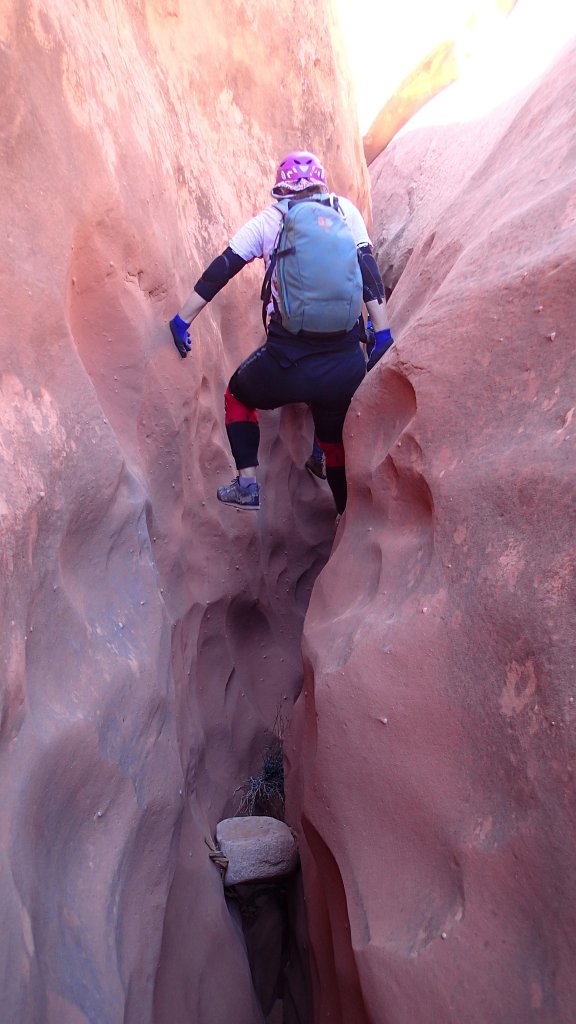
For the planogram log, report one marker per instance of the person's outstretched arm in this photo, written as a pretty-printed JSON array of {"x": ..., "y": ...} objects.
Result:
[
  {"x": 220, "y": 271},
  {"x": 373, "y": 295}
]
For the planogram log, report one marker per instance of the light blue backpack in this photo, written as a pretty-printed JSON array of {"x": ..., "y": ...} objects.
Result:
[{"x": 318, "y": 276}]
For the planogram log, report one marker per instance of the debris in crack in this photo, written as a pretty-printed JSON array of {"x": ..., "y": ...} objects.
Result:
[{"x": 264, "y": 791}]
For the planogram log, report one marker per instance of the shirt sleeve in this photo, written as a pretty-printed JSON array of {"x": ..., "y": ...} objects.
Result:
[
  {"x": 355, "y": 222},
  {"x": 248, "y": 242}
]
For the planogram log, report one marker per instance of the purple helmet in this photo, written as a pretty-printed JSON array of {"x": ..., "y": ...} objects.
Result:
[{"x": 298, "y": 171}]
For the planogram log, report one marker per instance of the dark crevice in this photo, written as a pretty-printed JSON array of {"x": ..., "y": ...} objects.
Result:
[
  {"x": 271, "y": 912},
  {"x": 271, "y": 916}
]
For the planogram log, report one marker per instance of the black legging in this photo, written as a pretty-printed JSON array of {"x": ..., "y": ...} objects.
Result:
[{"x": 323, "y": 373}]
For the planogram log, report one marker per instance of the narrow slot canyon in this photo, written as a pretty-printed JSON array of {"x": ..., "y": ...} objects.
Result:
[{"x": 276, "y": 767}]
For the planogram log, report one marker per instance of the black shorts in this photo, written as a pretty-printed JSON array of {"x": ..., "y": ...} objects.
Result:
[{"x": 322, "y": 372}]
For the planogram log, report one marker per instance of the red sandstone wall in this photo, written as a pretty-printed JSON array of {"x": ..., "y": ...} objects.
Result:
[
  {"x": 148, "y": 635},
  {"x": 433, "y": 749}
]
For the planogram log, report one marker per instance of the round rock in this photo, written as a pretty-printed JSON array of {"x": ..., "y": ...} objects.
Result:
[{"x": 257, "y": 847}]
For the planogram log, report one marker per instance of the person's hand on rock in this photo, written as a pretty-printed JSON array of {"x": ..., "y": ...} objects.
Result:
[{"x": 181, "y": 335}]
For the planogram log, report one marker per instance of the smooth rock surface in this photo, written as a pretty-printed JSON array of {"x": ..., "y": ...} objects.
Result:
[
  {"x": 256, "y": 847},
  {"x": 432, "y": 753}
]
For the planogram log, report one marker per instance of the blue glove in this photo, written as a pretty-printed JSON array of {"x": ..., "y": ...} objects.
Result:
[
  {"x": 383, "y": 340},
  {"x": 179, "y": 329}
]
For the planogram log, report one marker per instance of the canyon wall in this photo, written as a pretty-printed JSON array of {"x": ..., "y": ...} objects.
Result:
[
  {"x": 151, "y": 638},
  {"x": 149, "y": 635},
  {"x": 432, "y": 750}
]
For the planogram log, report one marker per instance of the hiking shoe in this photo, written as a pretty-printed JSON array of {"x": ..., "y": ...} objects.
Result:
[
  {"x": 240, "y": 497},
  {"x": 317, "y": 467}
]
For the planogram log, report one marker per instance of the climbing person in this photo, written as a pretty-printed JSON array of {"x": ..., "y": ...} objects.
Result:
[{"x": 319, "y": 269}]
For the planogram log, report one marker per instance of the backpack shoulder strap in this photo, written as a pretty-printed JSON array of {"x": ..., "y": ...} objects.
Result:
[{"x": 266, "y": 292}]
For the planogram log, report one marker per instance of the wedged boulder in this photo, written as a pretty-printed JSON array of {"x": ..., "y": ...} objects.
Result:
[{"x": 256, "y": 847}]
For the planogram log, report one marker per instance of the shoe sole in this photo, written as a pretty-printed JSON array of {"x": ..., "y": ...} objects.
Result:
[{"x": 241, "y": 508}]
